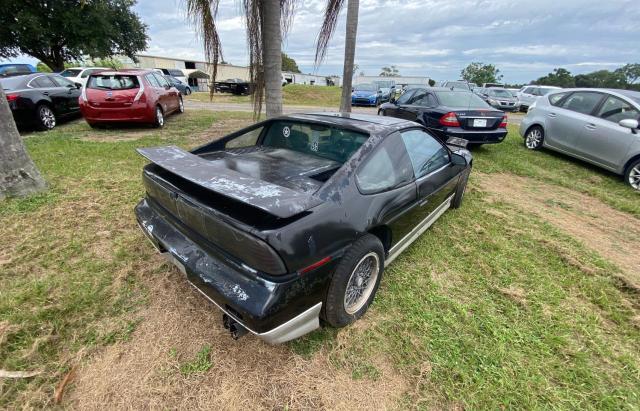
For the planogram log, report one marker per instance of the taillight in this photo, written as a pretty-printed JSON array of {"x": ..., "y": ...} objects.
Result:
[
  {"x": 503, "y": 123},
  {"x": 12, "y": 97},
  {"x": 450, "y": 120}
]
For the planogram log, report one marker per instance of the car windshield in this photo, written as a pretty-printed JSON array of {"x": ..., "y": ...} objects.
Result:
[
  {"x": 460, "y": 99},
  {"x": 317, "y": 140},
  {"x": 500, "y": 92},
  {"x": 365, "y": 87},
  {"x": 113, "y": 82},
  {"x": 458, "y": 84},
  {"x": 71, "y": 73},
  {"x": 11, "y": 83}
]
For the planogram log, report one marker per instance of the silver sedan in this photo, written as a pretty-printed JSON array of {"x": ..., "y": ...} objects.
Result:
[{"x": 599, "y": 126}]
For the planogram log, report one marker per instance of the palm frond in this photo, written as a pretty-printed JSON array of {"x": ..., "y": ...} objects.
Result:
[
  {"x": 202, "y": 16},
  {"x": 328, "y": 28}
]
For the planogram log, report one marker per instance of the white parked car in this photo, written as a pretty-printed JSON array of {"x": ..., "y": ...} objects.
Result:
[
  {"x": 177, "y": 73},
  {"x": 529, "y": 94},
  {"x": 80, "y": 74}
]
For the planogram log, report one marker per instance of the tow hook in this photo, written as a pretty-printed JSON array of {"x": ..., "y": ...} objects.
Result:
[{"x": 235, "y": 328}]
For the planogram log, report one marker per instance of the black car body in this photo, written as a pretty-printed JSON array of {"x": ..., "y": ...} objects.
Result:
[
  {"x": 450, "y": 113},
  {"x": 235, "y": 86},
  {"x": 182, "y": 87},
  {"x": 266, "y": 221},
  {"x": 40, "y": 100}
]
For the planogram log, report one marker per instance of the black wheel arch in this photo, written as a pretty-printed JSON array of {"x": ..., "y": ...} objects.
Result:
[
  {"x": 629, "y": 163},
  {"x": 384, "y": 234}
]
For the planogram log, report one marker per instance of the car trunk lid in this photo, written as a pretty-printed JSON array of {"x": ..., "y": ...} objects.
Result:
[
  {"x": 479, "y": 119},
  {"x": 112, "y": 90}
]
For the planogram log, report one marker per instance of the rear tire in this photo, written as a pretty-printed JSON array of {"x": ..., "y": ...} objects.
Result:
[
  {"x": 632, "y": 175},
  {"x": 187, "y": 91},
  {"x": 159, "y": 118},
  {"x": 460, "y": 190},
  {"x": 180, "y": 105},
  {"x": 355, "y": 282},
  {"x": 533, "y": 138},
  {"x": 45, "y": 117}
]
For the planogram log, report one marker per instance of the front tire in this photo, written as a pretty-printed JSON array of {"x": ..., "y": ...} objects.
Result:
[
  {"x": 45, "y": 117},
  {"x": 460, "y": 190},
  {"x": 355, "y": 282},
  {"x": 180, "y": 105},
  {"x": 632, "y": 175},
  {"x": 534, "y": 138},
  {"x": 159, "y": 118},
  {"x": 187, "y": 91}
]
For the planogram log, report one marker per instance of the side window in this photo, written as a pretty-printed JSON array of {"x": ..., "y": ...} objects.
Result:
[
  {"x": 62, "y": 82},
  {"x": 405, "y": 97},
  {"x": 43, "y": 82},
  {"x": 582, "y": 102},
  {"x": 425, "y": 152},
  {"x": 388, "y": 167},
  {"x": 615, "y": 109},
  {"x": 418, "y": 96},
  {"x": 161, "y": 80},
  {"x": 527, "y": 90},
  {"x": 250, "y": 138},
  {"x": 555, "y": 99},
  {"x": 152, "y": 80},
  {"x": 85, "y": 73}
]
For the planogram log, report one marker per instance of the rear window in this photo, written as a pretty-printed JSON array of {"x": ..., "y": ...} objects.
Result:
[
  {"x": 460, "y": 99},
  {"x": 70, "y": 73},
  {"x": 327, "y": 142},
  {"x": 113, "y": 82},
  {"x": 15, "y": 69},
  {"x": 11, "y": 83},
  {"x": 459, "y": 85},
  {"x": 545, "y": 90}
]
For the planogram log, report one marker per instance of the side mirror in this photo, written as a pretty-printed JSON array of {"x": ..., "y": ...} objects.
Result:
[
  {"x": 78, "y": 85},
  {"x": 629, "y": 123},
  {"x": 458, "y": 160}
]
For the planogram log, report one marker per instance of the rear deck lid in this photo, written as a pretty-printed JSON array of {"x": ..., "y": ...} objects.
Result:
[
  {"x": 214, "y": 175},
  {"x": 112, "y": 90}
]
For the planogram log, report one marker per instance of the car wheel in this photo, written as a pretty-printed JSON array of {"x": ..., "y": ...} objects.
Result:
[
  {"x": 381, "y": 113},
  {"x": 180, "y": 105},
  {"x": 534, "y": 138},
  {"x": 187, "y": 91},
  {"x": 46, "y": 118},
  {"x": 632, "y": 175},
  {"x": 355, "y": 282},
  {"x": 460, "y": 190},
  {"x": 159, "y": 120}
]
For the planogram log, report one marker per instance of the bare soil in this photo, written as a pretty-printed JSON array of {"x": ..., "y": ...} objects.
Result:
[{"x": 611, "y": 233}]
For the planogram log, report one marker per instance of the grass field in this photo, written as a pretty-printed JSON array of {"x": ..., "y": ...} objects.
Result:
[
  {"x": 292, "y": 94},
  {"x": 526, "y": 297}
]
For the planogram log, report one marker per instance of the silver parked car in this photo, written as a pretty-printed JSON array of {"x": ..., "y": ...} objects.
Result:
[
  {"x": 528, "y": 95},
  {"x": 599, "y": 126}
]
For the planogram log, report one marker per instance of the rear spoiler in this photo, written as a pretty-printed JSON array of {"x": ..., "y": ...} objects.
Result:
[{"x": 213, "y": 175}]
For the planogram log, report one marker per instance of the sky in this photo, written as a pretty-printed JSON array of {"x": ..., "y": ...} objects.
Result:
[{"x": 525, "y": 39}]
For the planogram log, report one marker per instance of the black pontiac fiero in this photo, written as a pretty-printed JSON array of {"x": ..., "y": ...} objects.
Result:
[{"x": 293, "y": 219}]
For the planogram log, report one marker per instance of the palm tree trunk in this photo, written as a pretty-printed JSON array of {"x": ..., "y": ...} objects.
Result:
[
  {"x": 272, "y": 56},
  {"x": 349, "y": 54},
  {"x": 18, "y": 175}
]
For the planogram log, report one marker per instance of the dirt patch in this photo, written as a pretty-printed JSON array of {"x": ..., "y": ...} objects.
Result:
[
  {"x": 220, "y": 129},
  {"x": 609, "y": 232},
  {"x": 144, "y": 372}
]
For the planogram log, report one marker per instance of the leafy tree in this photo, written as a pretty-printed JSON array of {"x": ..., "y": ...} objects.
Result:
[
  {"x": 560, "y": 77},
  {"x": 58, "y": 31},
  {"x": 289, "y": 64},
  {"x": 601, "y": 79},
  {"x": 631, "y": 72},
  {"x": 481, "y": 73},
  {"x": 43, "y": 68},
  {"x": 390, "y": 72},
  {"x": 108, "y": 62},
  {"x": 432, "y": 82}
]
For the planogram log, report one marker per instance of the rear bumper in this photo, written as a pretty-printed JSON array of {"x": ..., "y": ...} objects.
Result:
[
  {"x": 137, "y": 113},
  {"x": 275, "y": 311},
  {"x": 472, "y": 136}
]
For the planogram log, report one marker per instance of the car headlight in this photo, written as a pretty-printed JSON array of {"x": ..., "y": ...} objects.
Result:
[{"x": 492, "y": 101}]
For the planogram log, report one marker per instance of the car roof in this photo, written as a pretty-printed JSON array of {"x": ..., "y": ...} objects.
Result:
[
  {"x": 364, "y": 122},
  {"x": 111, "y": 72}
]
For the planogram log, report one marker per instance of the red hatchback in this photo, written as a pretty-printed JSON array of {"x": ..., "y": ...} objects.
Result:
[{"x": 123, "y": 96}]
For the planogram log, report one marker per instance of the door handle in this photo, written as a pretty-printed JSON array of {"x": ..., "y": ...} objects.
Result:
[
  {"x": 552, "y": 115},
  {"x": 590, "y": 126},
  {"x": 46, "y": 93}
]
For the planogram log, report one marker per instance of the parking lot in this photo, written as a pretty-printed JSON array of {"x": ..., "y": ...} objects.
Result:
[{"x": 538, "y": 304}]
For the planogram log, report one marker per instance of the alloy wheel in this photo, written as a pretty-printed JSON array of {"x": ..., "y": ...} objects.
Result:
[
  {"x": 634, "y": 177},
  {"x": 361, "y": 283},
  {"x": 47, "y": 117},
  {"x": 534, "y": 138}
]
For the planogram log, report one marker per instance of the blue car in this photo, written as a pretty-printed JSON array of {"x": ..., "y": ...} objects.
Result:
[
  {"x": 365, "y": 95},
  {"x": 11, "y": 69}
]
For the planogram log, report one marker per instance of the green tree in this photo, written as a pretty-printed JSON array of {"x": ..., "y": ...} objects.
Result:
[
  {"x": 389, "y": 72},
  {"x": 631, "y": 72},
  {"x": 560, "y": 77},
  {"x": 42, "y": 68},
  {"x": 432, "y": 82},
  {"x": 481, "y": 73},
  {"x": 289, "y": 64},
  {"x": 601, "y": 79},
  {"x": 107, "y": 62},
  {"x": 58, "y": 31}
]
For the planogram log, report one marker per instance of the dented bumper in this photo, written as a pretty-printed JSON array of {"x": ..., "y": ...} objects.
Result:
[{"x": 276, "y": 310}]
